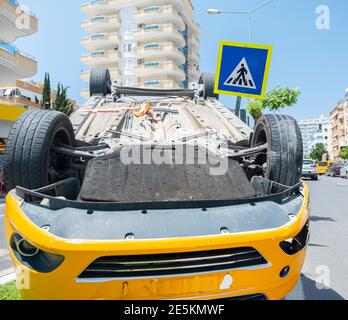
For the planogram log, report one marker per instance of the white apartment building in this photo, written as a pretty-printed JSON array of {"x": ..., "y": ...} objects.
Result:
[
  {"x": 144, "y": 43},
  {"x": 316, "y": 131},
  {"x": 15, "y": 22}
]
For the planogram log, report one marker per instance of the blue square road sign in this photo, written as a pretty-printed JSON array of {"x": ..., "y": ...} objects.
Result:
[{"x": 243, "y": 69}]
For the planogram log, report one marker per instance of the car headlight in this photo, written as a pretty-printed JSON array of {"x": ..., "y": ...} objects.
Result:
[{"x": 32, "y": 257}]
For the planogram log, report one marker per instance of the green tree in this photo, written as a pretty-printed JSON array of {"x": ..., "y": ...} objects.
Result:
[
  {"x": 275, "y": 100},
  {"x": 62, "y": 103},
  {"x": 344, "y": 153},
  {"x": 46, "y": 94},
  {"x": 318, "y": 152}
]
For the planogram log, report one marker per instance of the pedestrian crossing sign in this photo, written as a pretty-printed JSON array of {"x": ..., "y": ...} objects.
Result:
[{"x": 242, "y": 69}]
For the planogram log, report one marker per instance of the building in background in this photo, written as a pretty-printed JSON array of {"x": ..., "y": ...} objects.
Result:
[
  {"x": 339, "y": 126},
  {"x": 18, "y": 97},
  {"x": 15, "y": 22},
  {"x": 316, "y": 131},
  {"x": 144, "y": 43}
]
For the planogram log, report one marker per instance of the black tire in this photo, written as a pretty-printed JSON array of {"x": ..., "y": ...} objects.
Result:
[
  {"x": 30, "y": 161},
  {"x": 284, "y": 159},
  {"x": 207, "y": 80},
  {"x": 100, "y": 82}
]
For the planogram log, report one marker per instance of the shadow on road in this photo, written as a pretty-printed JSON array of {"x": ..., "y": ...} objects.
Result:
[
  {"x": 307, "y": 290},
  {"x": 326, "y": 219},
  {"x": 317, "y": 245}
]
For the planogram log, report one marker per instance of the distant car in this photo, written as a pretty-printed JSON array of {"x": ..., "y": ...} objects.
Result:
[
  {"x": 335, "y": 169},
  {"x": 344, "y": 171},
  {"x": 323, "y": 166},
  {"x": 309, "y": 169}
]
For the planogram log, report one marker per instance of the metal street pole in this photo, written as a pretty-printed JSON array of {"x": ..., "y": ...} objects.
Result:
[{"x": 250, "y": 24}]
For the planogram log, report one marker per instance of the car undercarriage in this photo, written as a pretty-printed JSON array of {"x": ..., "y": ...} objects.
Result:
[{"x": 143, "y": 188}]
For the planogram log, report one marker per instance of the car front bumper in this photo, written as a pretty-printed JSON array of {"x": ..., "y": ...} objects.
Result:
[{"x": 63, "y": 283}]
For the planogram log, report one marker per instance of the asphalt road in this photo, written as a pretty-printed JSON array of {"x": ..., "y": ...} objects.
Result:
[
  {"x": 325, "y": 275},
  {"x": 327, "y": 261}
]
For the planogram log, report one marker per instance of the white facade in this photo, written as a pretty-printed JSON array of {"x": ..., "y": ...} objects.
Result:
[
  {"x": 316, "y": 131},
  {"x": 15, "y": 22},
  {"x": 143, "y": 43}
]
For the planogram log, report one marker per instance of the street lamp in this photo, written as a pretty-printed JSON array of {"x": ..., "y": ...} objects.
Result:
[
  {"x": 249, "y": 14},
  {"x": 213, "y": 11}
]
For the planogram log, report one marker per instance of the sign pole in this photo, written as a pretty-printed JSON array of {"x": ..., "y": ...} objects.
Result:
[
  {"x": 249, "y": 13},
  {"x": 239, "y": 99}
]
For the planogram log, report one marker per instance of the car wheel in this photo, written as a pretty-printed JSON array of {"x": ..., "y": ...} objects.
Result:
[
  {"x": 284, "y": 159},
  {"x": 100, "y": 82},
  {"x": 30, "y": 160},
  {"x": 207, "y": 82}
]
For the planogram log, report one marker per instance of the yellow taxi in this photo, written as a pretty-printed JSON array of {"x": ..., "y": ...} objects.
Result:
[{"x": 323, "y": 166}]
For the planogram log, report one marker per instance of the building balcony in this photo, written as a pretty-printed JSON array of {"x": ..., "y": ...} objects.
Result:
[
  {"x": 15, "y": 21},
  {"x": 102, "y": 58},
  {"x": 161, "y": 51},
  {"x": 160, "y": 14},
  {"x": 101, "y": 24},
  {"x": 194, "y": 44},
  {"x": 160, "y": 68},
  {"x": 19, "y": 101},
  {"x": 193, "y": 74},
  {"x": 159, "y": 84},
  {"x": 15, "y": 64},
  {"x": 194, "y": 58},
  {"x": 101, "y": 41},
  {"x": 101, "y": 7},
  {"x": 161, "y": 33},
  {"x": 97, "y": 8},
  {"x": 196, "y": 29},
  {"x": 114, "y": 73}
]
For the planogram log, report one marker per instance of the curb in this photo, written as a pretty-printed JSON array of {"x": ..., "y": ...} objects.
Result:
[{"x": 7, "y": 276}]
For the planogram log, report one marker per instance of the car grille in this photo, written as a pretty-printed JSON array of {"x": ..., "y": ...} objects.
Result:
[{"x": 161, "y": 265}]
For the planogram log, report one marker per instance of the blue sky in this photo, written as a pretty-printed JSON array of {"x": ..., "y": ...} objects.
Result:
[{"x": 314, "y": 60}]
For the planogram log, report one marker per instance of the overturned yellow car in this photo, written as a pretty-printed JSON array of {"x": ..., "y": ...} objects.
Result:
[{"x": 182, "y": 201}]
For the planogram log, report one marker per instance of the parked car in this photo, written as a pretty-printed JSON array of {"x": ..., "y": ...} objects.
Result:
[
  {"x": 335, "y": 169},
  {"x": 344, "y": 171},
  {"x": 323, "y": 166},
  {"x": 309, "y": 169}
]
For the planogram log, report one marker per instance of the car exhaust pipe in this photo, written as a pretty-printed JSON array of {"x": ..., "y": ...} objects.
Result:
[{"x": 26, "y": 249}]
